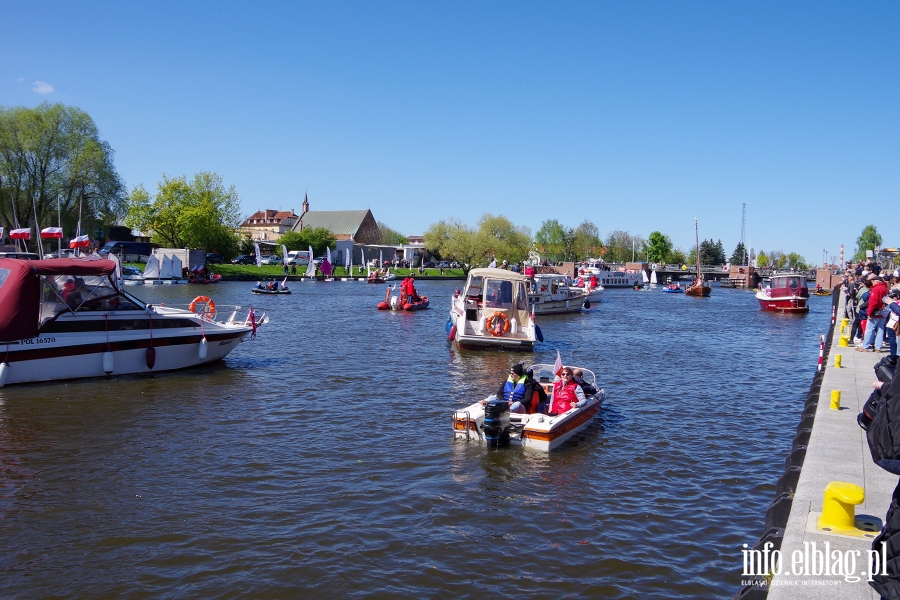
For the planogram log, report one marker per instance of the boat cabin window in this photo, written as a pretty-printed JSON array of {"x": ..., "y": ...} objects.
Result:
[
  {"x": 4, "y": 274},
  {"x": 64, "y": 293},
  {"x": 498, "y": 293},
  {"x": 473, "y": 291}
]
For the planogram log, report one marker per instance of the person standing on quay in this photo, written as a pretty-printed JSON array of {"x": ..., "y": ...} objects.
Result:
[{"x": 875, "y": 324}]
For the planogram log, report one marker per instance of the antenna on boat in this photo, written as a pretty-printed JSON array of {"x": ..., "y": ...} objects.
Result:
[
  {"x": 15, "y": 218},
  {"x": 59, "y": 224},
  {"x": 37, "y": 228}
]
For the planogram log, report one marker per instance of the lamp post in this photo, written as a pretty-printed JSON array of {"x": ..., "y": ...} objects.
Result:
[{"x": 824, "y": 259}]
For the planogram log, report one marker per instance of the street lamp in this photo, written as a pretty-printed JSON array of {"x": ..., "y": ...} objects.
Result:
[{"x": 824, "y": 259}]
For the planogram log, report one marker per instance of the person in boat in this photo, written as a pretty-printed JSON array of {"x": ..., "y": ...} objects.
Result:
[
  {"x": 67, "y": 287},
  {"x": 272, "y": 286},
  {"x": 411, "y": 290},
  {"x": 818, "y": 288},
  {"x": 567, "y": 394},
  {"x": 519, "y": 390},
  {"x": 578, "y": 376},
  {"x": 75, "y": 296}
]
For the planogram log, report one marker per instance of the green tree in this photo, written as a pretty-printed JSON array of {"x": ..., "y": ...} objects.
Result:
[
  {"x": 551, "y": 240},
  {"x": 454, "y": 240},
  {"x": 586, "y": 242},
  {"x": 869, "y": 239},
  {"x": 390, "y": 236},
  {"x": 678, "y": 256},
  {"x": 317, "y": 237},
  {"x": 659, "y": 247},
  {"x": 55, "y": 152},
  {"x": 738, "y": 256},
  {"x": 502, "y": 239},
  {"x": 201, "y": 213},
  {"x": 796, "y": 261},
  {"x": 621, "y": 246},
  {"x": 762, "y": 260}
]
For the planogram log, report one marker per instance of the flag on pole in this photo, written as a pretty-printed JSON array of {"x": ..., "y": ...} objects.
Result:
[
  {"x": 557, "y": 366},
  {"x": 20, "y": 234},
  {"x": 284, "y": 256},
  {"x": 348, "y": 260},
  {"x": 51, "y": 233},
  {"x": 82, "y": 241},
  {"x": 258, "y": 257},
  {"x": 362, "y": 254}
]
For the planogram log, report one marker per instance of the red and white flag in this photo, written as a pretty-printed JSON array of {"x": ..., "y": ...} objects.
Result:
[
  {"x": 20, "y": 234},
  {"x": 51, "y": 232},
  {"x": 81, "y": 241},
  {"x": 557, "y": 366}
]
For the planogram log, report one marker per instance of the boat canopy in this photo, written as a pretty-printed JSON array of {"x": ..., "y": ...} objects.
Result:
[
  {"x": 20, "y": 290},
  {"x": 499, "y": 289}
]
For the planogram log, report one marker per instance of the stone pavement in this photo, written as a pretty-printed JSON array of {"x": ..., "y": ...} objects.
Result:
[{"x": 837, "y": 451}]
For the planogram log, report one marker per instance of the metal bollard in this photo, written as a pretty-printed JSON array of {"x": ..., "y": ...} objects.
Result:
[{"x": 835, "y": 399}]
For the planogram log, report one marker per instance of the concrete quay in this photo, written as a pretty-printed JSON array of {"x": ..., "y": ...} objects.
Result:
[{"x": 836, "y": 451}]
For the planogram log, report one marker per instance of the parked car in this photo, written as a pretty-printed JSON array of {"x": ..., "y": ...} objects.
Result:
[
  {"x": 455, "y": 265},
  {"x": 20, "y": 255},
  {"x": 66, "y": 253},
  {"x": 214, "y": 258},
  {"x": 444, "y": 265},
  {"x": 429, "y": 264},
  {"x": 244, "y": 259},
  {"x": 298, "y": 257},
  {"x": 271, "y": 260}
]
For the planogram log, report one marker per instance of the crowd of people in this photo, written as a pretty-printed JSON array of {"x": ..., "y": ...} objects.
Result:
[{"x": 871, "y": 306}]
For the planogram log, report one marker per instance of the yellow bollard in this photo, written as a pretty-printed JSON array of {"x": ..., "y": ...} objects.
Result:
[
  {"x": 844, "y": 342},
  {"x": 844, "y": 322},
  {"x": 837, "y": 361},
  {"x": 835, "y": 399},
  {"x": 837, "y": 506}
]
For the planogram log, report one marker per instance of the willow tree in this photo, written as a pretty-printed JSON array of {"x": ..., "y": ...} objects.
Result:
[
  {"x": 495, "y": 237},
  {"x": 200, "y": 213},
  {"x": 50, "y": 156}
]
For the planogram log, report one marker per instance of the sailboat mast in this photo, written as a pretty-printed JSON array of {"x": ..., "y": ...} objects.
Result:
[
  {"x": 59, "y": 224},
  {"x": 697, "y": 239}
]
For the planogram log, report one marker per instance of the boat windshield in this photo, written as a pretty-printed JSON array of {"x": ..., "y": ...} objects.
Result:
[
  {"x": 498, "y": 293},
  {"x": 69, "y": 293}
]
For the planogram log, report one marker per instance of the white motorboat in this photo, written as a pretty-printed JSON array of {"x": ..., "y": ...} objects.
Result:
[
  {"x": 67, "y": 319},
  {"x": 536, "y": 431},
  {"x": 609, "y": 278},
  {"x": 551, "y": 294},
  {"x": 493, "y": 312}
]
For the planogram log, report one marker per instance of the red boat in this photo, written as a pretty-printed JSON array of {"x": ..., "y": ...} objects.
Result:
[
  {"x": 214, "y": 278},
  {"x": 785, "y": 293}
]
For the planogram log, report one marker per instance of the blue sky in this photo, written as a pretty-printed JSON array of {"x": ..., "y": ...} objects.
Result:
[{"x": 637, "y": 116}]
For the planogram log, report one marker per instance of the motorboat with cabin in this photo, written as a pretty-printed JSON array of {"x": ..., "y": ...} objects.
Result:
[
  {"x": 493, "y": 424},
  {"x": 493, "y": 312},
  {"x": 787, "y": 293},
  {"x": 551, "y": 294},
  {"x": 67, "y": 318}
]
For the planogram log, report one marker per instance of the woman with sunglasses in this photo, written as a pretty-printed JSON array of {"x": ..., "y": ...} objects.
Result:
[{"x": 567, "y": 393}]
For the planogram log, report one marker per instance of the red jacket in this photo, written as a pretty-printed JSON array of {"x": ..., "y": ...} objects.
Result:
[
  {"x": 563, "y": 396},
  {"x": 878, "y": 292}
]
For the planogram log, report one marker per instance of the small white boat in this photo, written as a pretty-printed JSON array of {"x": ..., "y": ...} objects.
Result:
[
  {"x": 551, "y": 294},
  {"x": 67, "y": 319},
  {"x": 611, "y": 278},
  {"x": 536, "y": 431},
  {"x": 493, "y": 312}
]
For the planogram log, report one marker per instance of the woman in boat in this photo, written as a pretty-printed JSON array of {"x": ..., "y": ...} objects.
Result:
[{"x": 567, "y": 393}]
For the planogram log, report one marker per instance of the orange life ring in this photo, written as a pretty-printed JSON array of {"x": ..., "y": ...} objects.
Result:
[
  {"x": 502, "y": 324},
  {"x": 209, "y": 312}
]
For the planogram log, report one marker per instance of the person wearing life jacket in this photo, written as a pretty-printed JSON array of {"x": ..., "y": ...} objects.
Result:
[
  {"x": 567, "y": 393},
  {"x": 514, "y": 389},
  {"x": 411, "y": 290}
]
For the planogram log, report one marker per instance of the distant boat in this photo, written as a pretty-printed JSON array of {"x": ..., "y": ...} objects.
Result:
[
  {"x": 653, "y": 281},
  {"x": 700, "y": 287}
]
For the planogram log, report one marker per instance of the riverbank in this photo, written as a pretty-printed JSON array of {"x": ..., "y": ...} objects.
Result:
[{"x": 829, "y": 447}]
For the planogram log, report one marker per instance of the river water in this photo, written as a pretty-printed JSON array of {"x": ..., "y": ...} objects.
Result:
[{"x": 319, "y": 460}]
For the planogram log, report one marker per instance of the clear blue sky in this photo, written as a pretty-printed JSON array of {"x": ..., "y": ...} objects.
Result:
[{"x": 635, "y": 115}]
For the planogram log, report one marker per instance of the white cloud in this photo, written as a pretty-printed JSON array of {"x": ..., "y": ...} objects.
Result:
[{"x": 42, "y": 87}]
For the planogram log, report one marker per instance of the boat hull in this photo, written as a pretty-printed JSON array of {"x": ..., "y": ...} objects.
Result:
[
  {"x": 54, "y": 357},
  {"x": 787, "y": 304},
  {"x": 259, "y": 291}
]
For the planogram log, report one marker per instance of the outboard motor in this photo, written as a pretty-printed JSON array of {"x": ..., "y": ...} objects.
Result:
[
  {"x": 496, "y": 422},
  {"x": 884, "y": 371}
]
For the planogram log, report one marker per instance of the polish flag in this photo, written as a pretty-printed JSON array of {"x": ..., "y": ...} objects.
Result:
[
  {"x": 51, "y": 232},
  {"x": 81, "y": 241},
  {"x": 557, "y": 366},
  {"x": 20, "y": 234}
]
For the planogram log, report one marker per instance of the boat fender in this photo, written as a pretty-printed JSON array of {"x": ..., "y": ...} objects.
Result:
[
  {"x": 587, "y": 304},
  {"x": 151, "y": 357},
  {"x": 108, "y": 362},
  {"x": 481, "y": 322},
  {"x": 538, "y": 333},
  {"x": 451, "y": 335},
  {"x": 4, "y": 373},
  {"x": 449, "y": 325},
  {"x": 513, "y": 326},
  {"x": 201, "y": 352}
]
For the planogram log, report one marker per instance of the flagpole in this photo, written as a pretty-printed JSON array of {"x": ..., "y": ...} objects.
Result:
[
  {"x": 78, "y": 229},
  {"x": 59, "y": 224},
  {"x": 37, "y": 228},
  {"x": 15, "y": 218}
]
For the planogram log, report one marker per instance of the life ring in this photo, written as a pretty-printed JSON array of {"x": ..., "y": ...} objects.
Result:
[
  {"x": 497, "y": 324},
  {"x": 209, "y": 312}
]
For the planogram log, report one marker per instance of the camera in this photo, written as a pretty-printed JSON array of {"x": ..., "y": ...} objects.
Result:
[{"x": 884, "y": 371}]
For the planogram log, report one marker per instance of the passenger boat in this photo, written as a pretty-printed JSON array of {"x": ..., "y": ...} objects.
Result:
[
  {"x": 785, "y": 293},
  {"x": 536, "y": 431},
  {"x": 610, "y": 278},
  {"x": 550, "y": 294},
  {"x": 493, "y": 312},
  {"x": 66, "y": 318},
  {"x": 590, "y": 287}
]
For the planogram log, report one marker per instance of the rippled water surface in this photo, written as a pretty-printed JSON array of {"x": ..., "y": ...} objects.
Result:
[{"x": 319, "y": 458}]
